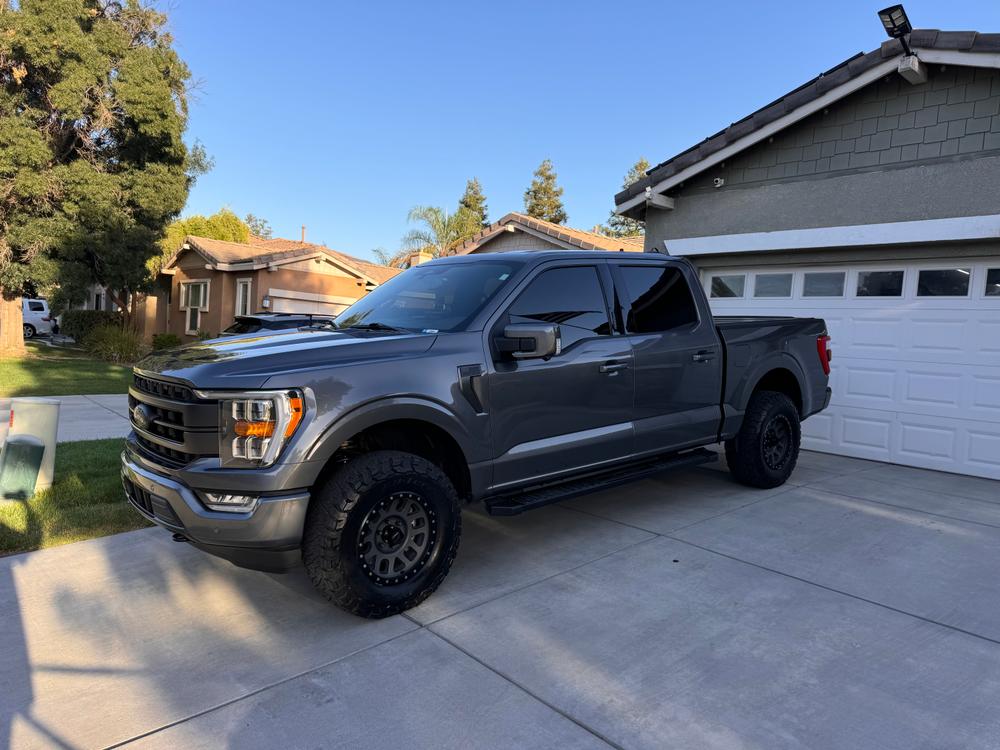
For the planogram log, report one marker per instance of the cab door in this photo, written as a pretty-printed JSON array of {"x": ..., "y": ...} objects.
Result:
[
  {"x": 570, "y": 411},
  {"x": 678, "y": 357}
]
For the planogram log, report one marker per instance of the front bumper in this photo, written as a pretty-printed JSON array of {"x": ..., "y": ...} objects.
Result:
[{"x": 266, "y": 539}]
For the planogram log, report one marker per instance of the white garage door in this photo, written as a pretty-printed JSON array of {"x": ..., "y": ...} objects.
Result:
[{"x": 916, "y": 355}]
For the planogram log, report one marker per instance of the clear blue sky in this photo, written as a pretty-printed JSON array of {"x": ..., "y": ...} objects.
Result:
[{"x": 341, "y": 116}]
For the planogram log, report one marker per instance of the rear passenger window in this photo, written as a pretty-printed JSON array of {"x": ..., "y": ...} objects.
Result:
[
  {"x": 948, "y": 282},
  {"x": 728, "y": 285},
  {"x": 660, "y": 299},
  {"x": 880, "y": 284},
  {"x": 36, "y": 306},
  {"x": 570, "y": 297}
]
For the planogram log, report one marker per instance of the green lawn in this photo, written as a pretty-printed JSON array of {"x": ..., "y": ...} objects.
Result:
[
  {"x": 48, "y": 371},
  {"x": 86, "y": 501}
]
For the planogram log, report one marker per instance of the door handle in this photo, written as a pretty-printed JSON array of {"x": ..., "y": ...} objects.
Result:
[
  {"x": 612, "y": 368},
  {"x": 704, "y": 356}
]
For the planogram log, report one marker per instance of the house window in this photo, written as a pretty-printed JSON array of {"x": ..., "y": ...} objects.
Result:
[
  {"x": 823, "y": 284},
  {"x": 993, "y": 282},
  {"x": 660, "y": 299},
  {"x": 773, "y": 285},
  {"x": 880, "y": 284},
  {"x": 728, "y": 285},
  {"x": 243, "y": 287},
  {"x": 194, "y": 302},
  {"x": 99, "y": 301},
  {"x": 947, "y": 282}
]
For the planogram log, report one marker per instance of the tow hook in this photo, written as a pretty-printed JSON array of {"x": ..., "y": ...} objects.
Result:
[{"x": 180, "y": 538}]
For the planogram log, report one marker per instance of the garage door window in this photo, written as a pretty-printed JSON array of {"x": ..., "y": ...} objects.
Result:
[
  {"x": 773, "y": 285},
  {"x": 993, "y": 282},
  {"x": 880, "y": 284},
  {"x": 946, "y": 282},
  {"x": 730, "y": 285},
  {"x": 828, "y": 284}
]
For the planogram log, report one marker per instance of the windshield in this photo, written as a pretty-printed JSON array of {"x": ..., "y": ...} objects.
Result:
[{"x": 430, "y": 298}]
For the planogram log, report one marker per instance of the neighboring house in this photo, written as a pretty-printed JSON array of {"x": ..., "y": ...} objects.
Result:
[
  {"x": 869, "y": 196},
  {"x": 522, "y": 232},
  {"x": 209, "y": 282},
  {"x": 96, "y": 298}
]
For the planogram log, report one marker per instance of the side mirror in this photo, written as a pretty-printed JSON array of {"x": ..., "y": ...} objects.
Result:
[{"x": 530, "y": 340}]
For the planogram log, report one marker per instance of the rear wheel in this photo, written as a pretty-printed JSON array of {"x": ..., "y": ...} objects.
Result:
[
  {"x": 765, "y": 450},
  {"x": 381, "y": 533},
  {"x": 29, "y": 331}
]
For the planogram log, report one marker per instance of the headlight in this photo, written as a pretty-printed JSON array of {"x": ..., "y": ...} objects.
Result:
[{"x": 255, "y": 427}]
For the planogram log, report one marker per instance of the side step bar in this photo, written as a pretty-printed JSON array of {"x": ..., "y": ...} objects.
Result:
[{"x": 517, "y": 502}]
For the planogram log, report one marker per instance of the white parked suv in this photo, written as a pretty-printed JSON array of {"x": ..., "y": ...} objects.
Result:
[{"x": 37, "y": 319}]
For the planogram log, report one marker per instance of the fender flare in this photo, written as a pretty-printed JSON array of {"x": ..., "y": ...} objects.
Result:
[
  {"x": 387, "y": 410},
  {"x": 776, "y": 361}
]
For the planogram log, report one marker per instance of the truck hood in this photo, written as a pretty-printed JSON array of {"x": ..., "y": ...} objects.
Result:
[{"x": 247, "y": 362}]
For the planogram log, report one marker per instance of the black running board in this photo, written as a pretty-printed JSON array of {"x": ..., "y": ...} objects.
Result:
[{"x": 517, "y": 502}]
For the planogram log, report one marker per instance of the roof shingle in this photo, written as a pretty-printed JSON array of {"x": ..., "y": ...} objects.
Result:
[{"x": 576, "y": 237}]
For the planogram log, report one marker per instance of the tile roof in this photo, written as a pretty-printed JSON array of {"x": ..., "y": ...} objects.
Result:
[
  {"x": 578, "y": 238},
  {"x": 259, "y": 250},
  {"x": 965, "y": 41}
]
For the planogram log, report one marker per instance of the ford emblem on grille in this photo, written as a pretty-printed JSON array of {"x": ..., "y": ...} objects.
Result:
[{"x": 141, "y": 416}]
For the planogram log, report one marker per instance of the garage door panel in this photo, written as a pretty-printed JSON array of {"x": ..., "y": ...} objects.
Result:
[
  {"x": 871, "y": 384},
  {"x": 915, "y": 380}
]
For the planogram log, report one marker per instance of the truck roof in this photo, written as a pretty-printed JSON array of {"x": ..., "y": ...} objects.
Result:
[{"x": 540, "y": 255}]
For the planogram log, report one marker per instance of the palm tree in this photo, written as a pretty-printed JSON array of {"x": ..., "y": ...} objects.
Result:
[{"x": 442, "y": 232}]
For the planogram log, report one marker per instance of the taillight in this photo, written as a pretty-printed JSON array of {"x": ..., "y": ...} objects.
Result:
[{"x": 825, "y": 354}]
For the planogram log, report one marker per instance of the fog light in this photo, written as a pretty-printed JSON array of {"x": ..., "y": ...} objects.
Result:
[{"x": 230, "y": 503}]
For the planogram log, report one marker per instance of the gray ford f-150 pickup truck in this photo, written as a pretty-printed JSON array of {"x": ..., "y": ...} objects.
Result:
[{"x": 512, "y": 379}]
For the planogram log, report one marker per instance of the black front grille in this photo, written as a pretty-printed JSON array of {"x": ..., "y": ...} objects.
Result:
[
  {"x": 163, "y": 389},
  {"x": 172, "y": 426}
]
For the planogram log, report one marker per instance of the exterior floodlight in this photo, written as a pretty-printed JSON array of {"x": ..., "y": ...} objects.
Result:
[{"x": 896, "y": 23}]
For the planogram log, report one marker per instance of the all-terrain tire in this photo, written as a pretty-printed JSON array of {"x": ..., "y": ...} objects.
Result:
[
  {"x": 765, "y": 450},
  {"x": 355, "y": 509}
]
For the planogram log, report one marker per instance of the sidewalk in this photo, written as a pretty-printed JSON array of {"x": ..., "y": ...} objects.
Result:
[{"x": 83, "y": 417}]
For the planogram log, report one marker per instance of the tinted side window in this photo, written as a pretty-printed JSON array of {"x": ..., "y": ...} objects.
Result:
[
  {"x": 36, "y": 306},
  {"x": 661, "y": 299},
  {"x": 572, "y": 298}
]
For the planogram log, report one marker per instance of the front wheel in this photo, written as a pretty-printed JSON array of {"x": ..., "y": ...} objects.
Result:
[
  {"x": 381, "y": 533},
  {"x": 764, "y": 451}
]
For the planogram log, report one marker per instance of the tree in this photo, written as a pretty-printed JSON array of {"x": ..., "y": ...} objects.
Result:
[
  {"x": 92, "y": 161},
  {"x": 474, "y": 202},
  {"x": 442, "y": 232},
  {"x": 222, "y": 225},
  {"x": 623, "y": 226},
  {"x": 543, "y": 198},
  {"x": 259, "y": 227}
]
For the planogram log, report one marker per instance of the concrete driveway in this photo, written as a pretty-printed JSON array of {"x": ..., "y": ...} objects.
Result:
[
  {"x": 856, "y": 608},
  {"x": 83, "y": 417}
]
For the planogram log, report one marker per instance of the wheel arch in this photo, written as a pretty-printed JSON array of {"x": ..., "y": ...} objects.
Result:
[{"x": 411, "y": 425}]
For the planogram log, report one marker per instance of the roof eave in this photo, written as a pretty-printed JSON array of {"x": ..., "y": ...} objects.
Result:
[{"x": 981, "y": 51}]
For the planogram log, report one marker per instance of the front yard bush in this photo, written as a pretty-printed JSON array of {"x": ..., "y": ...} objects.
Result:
[
  {"x": 165, "y": 341},
  {"x": 113, "y": 343},
  {"x": 79, "y": 323}
]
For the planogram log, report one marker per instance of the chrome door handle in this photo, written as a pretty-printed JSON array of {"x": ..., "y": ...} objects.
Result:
[
  {"x": 705, "y": 356},
  {"x": 613, "y": 367}
]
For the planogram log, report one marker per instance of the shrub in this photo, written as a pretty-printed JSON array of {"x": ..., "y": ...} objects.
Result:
[
  {"x": 79, "y": 323},
  {"x": 165, "y": 341},
  {"x": 115, "y": 344},
  {"x": 203, "y": 334}
]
